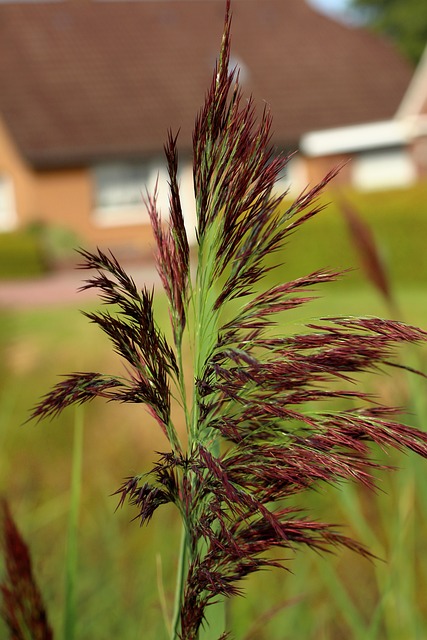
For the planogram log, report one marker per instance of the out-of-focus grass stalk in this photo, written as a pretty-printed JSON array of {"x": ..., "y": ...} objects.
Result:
[
  {"x": 344, "y": 602},
  {"x": 162, "y": 597},
  {"x": 371, "y": 258},
  {"x": 396, "y": 611},
  {"x": 70, "y": 613}
]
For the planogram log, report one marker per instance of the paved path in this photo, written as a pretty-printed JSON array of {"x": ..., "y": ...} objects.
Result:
[{"x": 61, "y": 288}]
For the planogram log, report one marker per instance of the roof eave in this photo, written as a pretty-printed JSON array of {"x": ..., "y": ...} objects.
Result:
[{"x": 356, "y": 138}]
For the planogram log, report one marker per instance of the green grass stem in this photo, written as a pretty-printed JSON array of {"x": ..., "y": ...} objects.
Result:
[{"x": 180, "y": 582}]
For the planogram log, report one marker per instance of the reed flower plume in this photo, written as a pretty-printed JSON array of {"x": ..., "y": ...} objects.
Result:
[{"x": 253, "y": 439}]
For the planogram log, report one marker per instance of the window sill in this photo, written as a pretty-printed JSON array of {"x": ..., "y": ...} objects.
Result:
[{"x": 120, "y": 217}]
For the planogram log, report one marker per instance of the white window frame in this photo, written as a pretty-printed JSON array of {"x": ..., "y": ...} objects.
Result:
[
  {"x": 8, "y": 215},
  {"x": 126, "y": 184},
  {"x": 387, "y": 168}
]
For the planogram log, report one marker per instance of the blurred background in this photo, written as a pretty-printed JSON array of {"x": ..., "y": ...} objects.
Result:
[{"x": 88, "y": 92}]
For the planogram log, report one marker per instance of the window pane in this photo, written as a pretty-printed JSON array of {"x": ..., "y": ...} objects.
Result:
[
  {"x": 120, "y": 189},
  {"x": 120, "y": 185}
]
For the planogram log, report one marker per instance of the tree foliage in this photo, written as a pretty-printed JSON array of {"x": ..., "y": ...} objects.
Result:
[{"x": 404, "y": 21}]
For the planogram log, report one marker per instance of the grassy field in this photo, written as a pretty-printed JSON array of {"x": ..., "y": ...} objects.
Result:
[{"x": 123, "y": 569}]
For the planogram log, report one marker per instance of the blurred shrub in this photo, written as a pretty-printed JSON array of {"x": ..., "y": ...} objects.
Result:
[
  {"x": 35, "y": 250},
  {"x": 20, "y": 255},
  {"x": 57, "y": 244}
]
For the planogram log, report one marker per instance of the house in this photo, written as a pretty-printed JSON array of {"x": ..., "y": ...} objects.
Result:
[
  {"x": 384, "y": 154},
  {"x": 89, "y": 89}
]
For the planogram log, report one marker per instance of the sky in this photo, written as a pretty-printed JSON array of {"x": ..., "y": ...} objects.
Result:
[{"x": 330, "y": 6}]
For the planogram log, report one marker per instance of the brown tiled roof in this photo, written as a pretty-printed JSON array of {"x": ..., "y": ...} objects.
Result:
[{"x": 86, "y": 80}]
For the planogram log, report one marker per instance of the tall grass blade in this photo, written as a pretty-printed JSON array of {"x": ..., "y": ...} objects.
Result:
[{"x": 71, "y": 574}]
